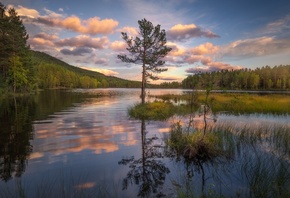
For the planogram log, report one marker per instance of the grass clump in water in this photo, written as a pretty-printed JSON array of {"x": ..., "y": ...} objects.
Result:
[
  {"x": 195, "y": 145},
  {"x": 152, "y": 111}
]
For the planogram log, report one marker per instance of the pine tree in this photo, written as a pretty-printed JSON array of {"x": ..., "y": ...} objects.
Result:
[
  {"x": 148, "y": 50},
  {"x": 13, "y": 39}
]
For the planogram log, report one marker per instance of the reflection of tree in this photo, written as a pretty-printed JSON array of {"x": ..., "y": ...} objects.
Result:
[
  {"x": 148, "y": 172},
  {"x": 16, "y": 131}
]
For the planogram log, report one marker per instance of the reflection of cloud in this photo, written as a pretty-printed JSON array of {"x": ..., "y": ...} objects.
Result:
[
  {"x": 90, "y": 129},
  {"x": 182, "y": 32},
  {"x": 86, "y": 185},
  {"x": 36, "y": 155}
]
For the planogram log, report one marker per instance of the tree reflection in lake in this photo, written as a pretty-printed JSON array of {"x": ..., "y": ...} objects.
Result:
[
  {"x": 149, "y": 171},
  {"x": 16, "y": 132}
]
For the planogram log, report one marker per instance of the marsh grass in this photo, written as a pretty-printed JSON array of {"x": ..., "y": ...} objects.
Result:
[
  {"x": 197, "y": 145},
  {"x": 238, "y": 102},
  {"x": 152, "y": 111},
  {"x": 258, "y": 155}
]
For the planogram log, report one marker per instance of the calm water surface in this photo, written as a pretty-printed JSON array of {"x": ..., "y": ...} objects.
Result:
[{"x": 82, "y": 142}]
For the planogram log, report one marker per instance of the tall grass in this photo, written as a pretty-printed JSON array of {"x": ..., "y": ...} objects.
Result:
[
  {"x": 259, "y": 159},
  {"x": 238, "y": 102}
]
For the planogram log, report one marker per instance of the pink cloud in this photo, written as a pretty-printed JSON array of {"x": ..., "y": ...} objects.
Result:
[
  {"x": 118, "y": 46},
  {"x": 213, "y": 66},
  {"x": 207, "y": 48},
  {"x": 182, "y": 32},
  {"x": 92, "y": 26},
  {"x": 129, "y": 30}
]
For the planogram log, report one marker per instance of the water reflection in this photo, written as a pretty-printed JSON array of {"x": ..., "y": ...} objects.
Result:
[
  {"x": 16, "y": 133},
  {"x": 147, "y": 172}
]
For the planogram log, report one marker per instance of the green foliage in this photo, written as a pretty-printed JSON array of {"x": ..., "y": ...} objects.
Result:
[
  {"x": 15, "y": 64},
  {"x": 54, "y": 73},
  {"x": 265, "y": 78},
  {"x": 148, "y": 50},
  {"x": 152, "y": 111}
]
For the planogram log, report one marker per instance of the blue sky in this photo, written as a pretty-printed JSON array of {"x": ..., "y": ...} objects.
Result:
[{"x": 205, "y": 35}]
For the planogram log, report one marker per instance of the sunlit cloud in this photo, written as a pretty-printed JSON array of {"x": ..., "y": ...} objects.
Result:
[
  {"x": 131, "y": 31},
  {"x": 175, "y": 49},
  {"x": 118, "y": 46},
  {"x": 27, "y": 12},
  {"x": 212, "y": 67},
  {"x": 106, "y": 72},
  {"x": 169, "y": 78},
  {"x": 254, "y": 47},
  {"x": 91, "y": 26},
  {"x": 207, "y": 48},
  {"x": 182, "y": 32}
]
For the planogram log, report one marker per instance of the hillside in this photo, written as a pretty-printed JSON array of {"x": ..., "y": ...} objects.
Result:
[{"x": 40, "y": 59}]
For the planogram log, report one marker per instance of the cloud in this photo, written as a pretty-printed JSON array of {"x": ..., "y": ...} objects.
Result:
[
  {"x": 176, "y": 50},
  {"x": 91, "y": 26},
  {"x": 279, "y": 26},
  {"x": 45, "y": 36},
  {"x": 106, "y": 72},
  {"x": 101, "y": 61},
  {"x": 212, "y": 66},
  {"x": 182, "y": 32},
  {"x": 118, "y": 46},
  {"x": 27, "y": 12},
  {"x": 169, "y": 78},
  {"x": 254, "y": 47},
  {"x": 76, "y": 51},
  {"x": 131, "y": 31},
  {"x": 84, "y": 41},
  {"x": 207, "y": 48}
]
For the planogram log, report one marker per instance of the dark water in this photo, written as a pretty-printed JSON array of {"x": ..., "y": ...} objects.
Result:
[{"x": 82, "y": 143}]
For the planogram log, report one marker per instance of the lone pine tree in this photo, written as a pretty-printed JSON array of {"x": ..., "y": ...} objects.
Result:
[{"x": 148, "y": 50}]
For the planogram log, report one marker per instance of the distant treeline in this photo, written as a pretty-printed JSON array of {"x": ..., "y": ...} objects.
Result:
[{"x": 264, "y": 78}]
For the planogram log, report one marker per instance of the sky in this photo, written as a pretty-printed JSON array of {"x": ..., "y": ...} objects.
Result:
[{"x": 205, "y": 35}]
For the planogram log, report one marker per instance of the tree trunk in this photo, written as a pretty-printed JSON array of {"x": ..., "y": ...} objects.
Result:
[{"x": 143, "y": 85}]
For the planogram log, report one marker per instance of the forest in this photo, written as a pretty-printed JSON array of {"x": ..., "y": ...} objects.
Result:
[{"x": 264, "y": 78}]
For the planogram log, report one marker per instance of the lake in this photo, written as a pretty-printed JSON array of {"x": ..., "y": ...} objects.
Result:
[{"x": 82, "y": 143}]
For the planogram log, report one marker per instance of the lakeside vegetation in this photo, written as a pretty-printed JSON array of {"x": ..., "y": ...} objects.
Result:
[{"x": 236, "y": 103}]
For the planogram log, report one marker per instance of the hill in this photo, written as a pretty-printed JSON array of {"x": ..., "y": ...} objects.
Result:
[{"x": 53, "y": 72}]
